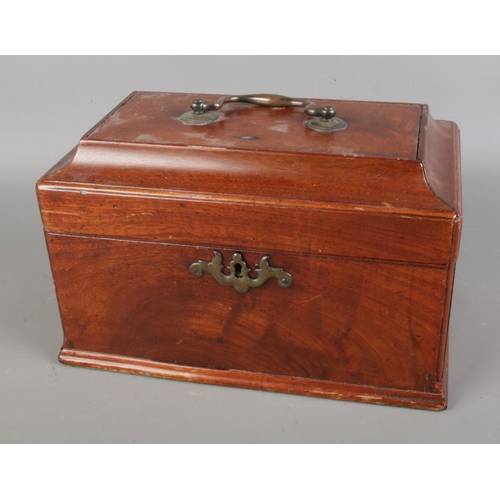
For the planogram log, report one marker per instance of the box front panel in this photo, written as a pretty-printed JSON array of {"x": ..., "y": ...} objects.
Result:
[{"x": 348, "y": 321}]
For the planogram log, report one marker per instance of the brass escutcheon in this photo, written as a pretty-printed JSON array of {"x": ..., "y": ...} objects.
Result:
[{"x": 238, "y": 277}]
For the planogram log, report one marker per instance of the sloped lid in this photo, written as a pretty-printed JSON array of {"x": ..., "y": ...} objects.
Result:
[
  {"x": 381, "y": 130},
  {"x": 257, "y": 152}
]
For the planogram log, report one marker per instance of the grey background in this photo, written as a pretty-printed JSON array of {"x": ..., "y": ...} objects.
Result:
[{"x": 48, "y": 103}]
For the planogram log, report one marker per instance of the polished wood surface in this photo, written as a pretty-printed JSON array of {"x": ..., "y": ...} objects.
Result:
[
  {"x": 342, "y": 327},
  {"x": 258, "y": 381},
  {"x": 439, "y": 152},
  {"x": 376, "y": 129},
  {"x": 370, "y": 238},
  {"x": 248, "y": 224},
  {"x": 367, "y": 183}
]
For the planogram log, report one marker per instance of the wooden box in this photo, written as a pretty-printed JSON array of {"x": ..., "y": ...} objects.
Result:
[{"x": 255, "y": 251}]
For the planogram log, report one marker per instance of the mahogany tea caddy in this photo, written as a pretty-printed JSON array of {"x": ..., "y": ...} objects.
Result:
[{"x": 201, "y": 239}]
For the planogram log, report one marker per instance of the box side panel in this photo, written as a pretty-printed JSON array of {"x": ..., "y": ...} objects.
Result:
[
  {"x": 341, "y": 321},
  {"x": 439, "y": 151},
  {"x": 253, "y": 225},
  {"x": 443, "y": 341}
]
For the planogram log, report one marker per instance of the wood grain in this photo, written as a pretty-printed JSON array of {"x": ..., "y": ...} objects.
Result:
[
  {"x": 343, "y": 325},
  {"x": 247, "y": 224}
]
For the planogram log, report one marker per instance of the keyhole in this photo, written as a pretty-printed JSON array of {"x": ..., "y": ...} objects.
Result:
[{"x": 237, "y": 270}]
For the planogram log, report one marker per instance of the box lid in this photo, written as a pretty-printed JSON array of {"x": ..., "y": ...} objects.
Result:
[
  {"x": 391, "y": 160},
  {"x": 379, "y": 130}
]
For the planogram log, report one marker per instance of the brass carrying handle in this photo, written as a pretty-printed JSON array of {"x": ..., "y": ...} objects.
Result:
[{"x": 203, "y": 112}]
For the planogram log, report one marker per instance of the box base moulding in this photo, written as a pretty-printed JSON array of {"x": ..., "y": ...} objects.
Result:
[{"x": 259, "y": 381}]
